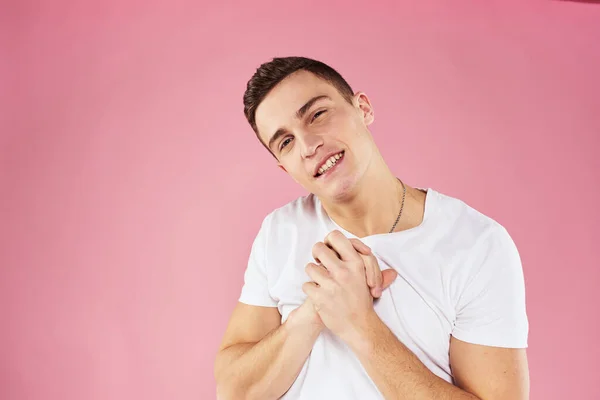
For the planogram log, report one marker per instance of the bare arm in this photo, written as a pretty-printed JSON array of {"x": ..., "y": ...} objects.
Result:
[
  {"x": 481, "y": 372},
  {"x": 260, "y": 358},
  {"x": 490, "y": 372}
]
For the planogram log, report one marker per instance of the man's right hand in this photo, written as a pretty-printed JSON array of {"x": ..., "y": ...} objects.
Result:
[{"x": 377, "y": 281}]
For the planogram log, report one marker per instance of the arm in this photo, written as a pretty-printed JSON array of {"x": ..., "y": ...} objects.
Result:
[
  {"x": 490, "y": 310},
  {"x": 260, "y": 358},
  {"x": 250, "y": 361},
  {"x": 490, "y": 372},
  {"x": 481, "y": 372},
  {"x": 341, "y": 296}
]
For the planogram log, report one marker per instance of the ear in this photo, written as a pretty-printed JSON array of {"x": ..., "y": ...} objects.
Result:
[{"x": 364, "y": 105}]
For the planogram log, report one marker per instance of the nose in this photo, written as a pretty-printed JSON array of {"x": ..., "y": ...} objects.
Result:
[{"x": 309, "y": 144}]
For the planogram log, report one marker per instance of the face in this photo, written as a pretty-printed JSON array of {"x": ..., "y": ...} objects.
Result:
[{"x": 318, "y": 137}]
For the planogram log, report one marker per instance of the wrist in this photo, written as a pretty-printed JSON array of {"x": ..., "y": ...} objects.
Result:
[
  {"x": 307, "y": 323},
  {"x": 303, "y": 330},
  {"x": 360, "y": 338}
]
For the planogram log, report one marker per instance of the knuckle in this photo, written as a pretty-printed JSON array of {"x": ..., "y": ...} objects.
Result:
[
  {"x": 332, "y": 232},
  {"x": 355, "y": 243},
  {"x": 335, "y": 234}
]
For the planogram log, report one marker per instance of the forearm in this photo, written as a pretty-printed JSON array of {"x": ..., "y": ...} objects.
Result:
[
  {"x": 396, "y": 371},
  {"x": 267, "y": 369}
]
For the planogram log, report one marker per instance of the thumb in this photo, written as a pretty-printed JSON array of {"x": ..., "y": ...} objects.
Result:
[{"x": 388, "y": 276}]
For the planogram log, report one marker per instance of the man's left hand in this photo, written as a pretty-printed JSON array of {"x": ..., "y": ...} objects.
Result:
[{"x": 339, "y": 290}]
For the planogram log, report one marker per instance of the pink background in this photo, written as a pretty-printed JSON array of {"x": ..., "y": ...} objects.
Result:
[{"x": 132, "y": 186}]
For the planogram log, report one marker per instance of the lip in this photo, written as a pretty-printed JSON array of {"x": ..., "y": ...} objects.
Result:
[{"x": 323, "y": 161}]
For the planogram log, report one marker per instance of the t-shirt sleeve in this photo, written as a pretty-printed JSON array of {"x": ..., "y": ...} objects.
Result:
[
  {"x": 255, "y": 290},
  {"x": 491, "y": 309}
]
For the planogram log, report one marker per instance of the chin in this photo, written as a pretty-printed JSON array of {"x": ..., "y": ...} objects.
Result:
[{"x": 337, "y": 190}]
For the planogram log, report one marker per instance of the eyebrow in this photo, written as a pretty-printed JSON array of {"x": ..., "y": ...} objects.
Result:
[{"x": 299, "y": 115}]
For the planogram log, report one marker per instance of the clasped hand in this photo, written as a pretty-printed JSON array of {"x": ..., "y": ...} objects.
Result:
[{"x": 346, "y": 278}]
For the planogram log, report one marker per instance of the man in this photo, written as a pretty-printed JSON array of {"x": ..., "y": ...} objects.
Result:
[{"x": 366, "y": 288}]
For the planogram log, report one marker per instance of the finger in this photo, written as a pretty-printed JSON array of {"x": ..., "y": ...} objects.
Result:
[
  {"x": 373, "y": 272},
  {"x": 334, "y": 252},
  {"x": 324, "y": 255},
  {"x": 311, "y": 289},
  {"x": 360, "y": 247},
  {"x": 370, "y": 272},
  {"x": 341, "y": 245},
  {"x": 317, "y": 273},
  {"x": 388, "y": 277}
]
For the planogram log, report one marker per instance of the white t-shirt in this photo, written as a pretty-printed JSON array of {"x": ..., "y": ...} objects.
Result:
[{"x": 459, "y": 273}]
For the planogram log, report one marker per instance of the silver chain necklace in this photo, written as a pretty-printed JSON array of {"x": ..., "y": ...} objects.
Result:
[{"x": 401, "y": 207}]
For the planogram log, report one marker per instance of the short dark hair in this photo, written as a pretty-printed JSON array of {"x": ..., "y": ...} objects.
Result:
[{"x": 269, "y": 74}]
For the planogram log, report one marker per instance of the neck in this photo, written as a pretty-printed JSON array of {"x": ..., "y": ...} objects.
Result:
[{"x": 374, "y": 205}]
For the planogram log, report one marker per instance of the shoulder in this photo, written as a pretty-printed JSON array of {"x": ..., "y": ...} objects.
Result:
[
  {"x": 468, "y": 225},
  {"x": 296, "y": 210},
  {"x": 476, "y": 243},
  {"x": 484, "y": 249},
  {"x": 291, "y": 217}
]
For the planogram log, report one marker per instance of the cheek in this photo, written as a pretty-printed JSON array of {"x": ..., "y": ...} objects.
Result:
[
  {"x": 350, "y": 130},
  {"x": 337, "y": 127},
  {"x": 294, "y": 169},
  {"x": 349, "y": 121}
]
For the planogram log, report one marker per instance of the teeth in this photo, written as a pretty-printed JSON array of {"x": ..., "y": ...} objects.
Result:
[{"x": 329, "y": 163}]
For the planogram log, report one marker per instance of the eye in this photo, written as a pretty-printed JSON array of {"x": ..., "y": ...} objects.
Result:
[
  {"x": 285, "y": 143},
  {"x": 318, "y": 113}
]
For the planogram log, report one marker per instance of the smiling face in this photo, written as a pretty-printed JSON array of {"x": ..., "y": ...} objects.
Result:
[{"x": 318, "y": 137}]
